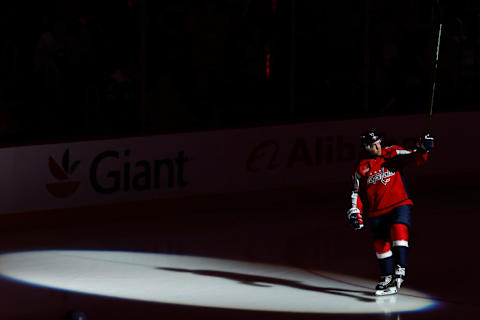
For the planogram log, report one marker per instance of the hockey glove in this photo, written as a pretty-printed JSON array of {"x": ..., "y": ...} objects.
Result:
[
  {"x": 426, "y": 143},
  {"x": 355, "y": 218}
]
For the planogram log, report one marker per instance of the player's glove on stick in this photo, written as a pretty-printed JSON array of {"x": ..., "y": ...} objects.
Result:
[
  {"x": 355, "y": 218},
  {"x": 426, "y": 143}
]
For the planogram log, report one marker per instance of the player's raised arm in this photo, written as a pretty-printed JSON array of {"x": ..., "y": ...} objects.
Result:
[{"x": 413, "y": 158}]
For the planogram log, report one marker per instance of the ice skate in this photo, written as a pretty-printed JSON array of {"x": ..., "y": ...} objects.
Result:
[
  {"x": 399, "y": 276},
  {"x": 386, "y": 286}
]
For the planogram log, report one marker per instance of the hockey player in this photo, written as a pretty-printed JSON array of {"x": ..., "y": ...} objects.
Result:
[{"x": 379, "y": 189}]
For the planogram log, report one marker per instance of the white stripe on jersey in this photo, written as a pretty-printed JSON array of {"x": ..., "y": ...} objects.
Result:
[{"x": 403, "y": 152}]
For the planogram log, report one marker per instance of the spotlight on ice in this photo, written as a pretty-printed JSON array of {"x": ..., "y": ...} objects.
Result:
[{"x": 206, "y": 282}]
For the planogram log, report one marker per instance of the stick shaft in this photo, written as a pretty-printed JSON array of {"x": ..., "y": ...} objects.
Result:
[{"x": 434, "y": 76}]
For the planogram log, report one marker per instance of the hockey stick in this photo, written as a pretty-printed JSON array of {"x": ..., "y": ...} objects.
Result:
[{"x": 429, "y": 125}]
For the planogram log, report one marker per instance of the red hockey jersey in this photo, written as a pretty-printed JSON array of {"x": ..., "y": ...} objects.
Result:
[{"x": 379, "y": 181}]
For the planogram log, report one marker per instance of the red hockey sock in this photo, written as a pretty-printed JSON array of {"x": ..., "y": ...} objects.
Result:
[{"x": 399, "y": 236}]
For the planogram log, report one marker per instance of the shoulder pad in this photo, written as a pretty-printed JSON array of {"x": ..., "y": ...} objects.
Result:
[{"x": 364, "y": 167}]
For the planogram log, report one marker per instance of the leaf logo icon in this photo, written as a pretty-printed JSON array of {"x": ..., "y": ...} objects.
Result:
[
  {"x": 56, "y": 171},
  {"x": 62, "y": 172},
  {"x": 66, "y": 163}
]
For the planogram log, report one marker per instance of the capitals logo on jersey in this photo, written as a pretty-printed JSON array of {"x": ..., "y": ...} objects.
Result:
[{"x": 382, "y": 175}]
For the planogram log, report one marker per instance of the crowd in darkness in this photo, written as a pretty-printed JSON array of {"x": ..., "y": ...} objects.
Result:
[
  {"x": 81, "y": 69},
  {"x": 68, "y": 69}
]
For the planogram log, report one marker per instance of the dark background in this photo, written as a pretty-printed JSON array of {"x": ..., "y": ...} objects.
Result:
[{"x": 87, "y": 69}]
